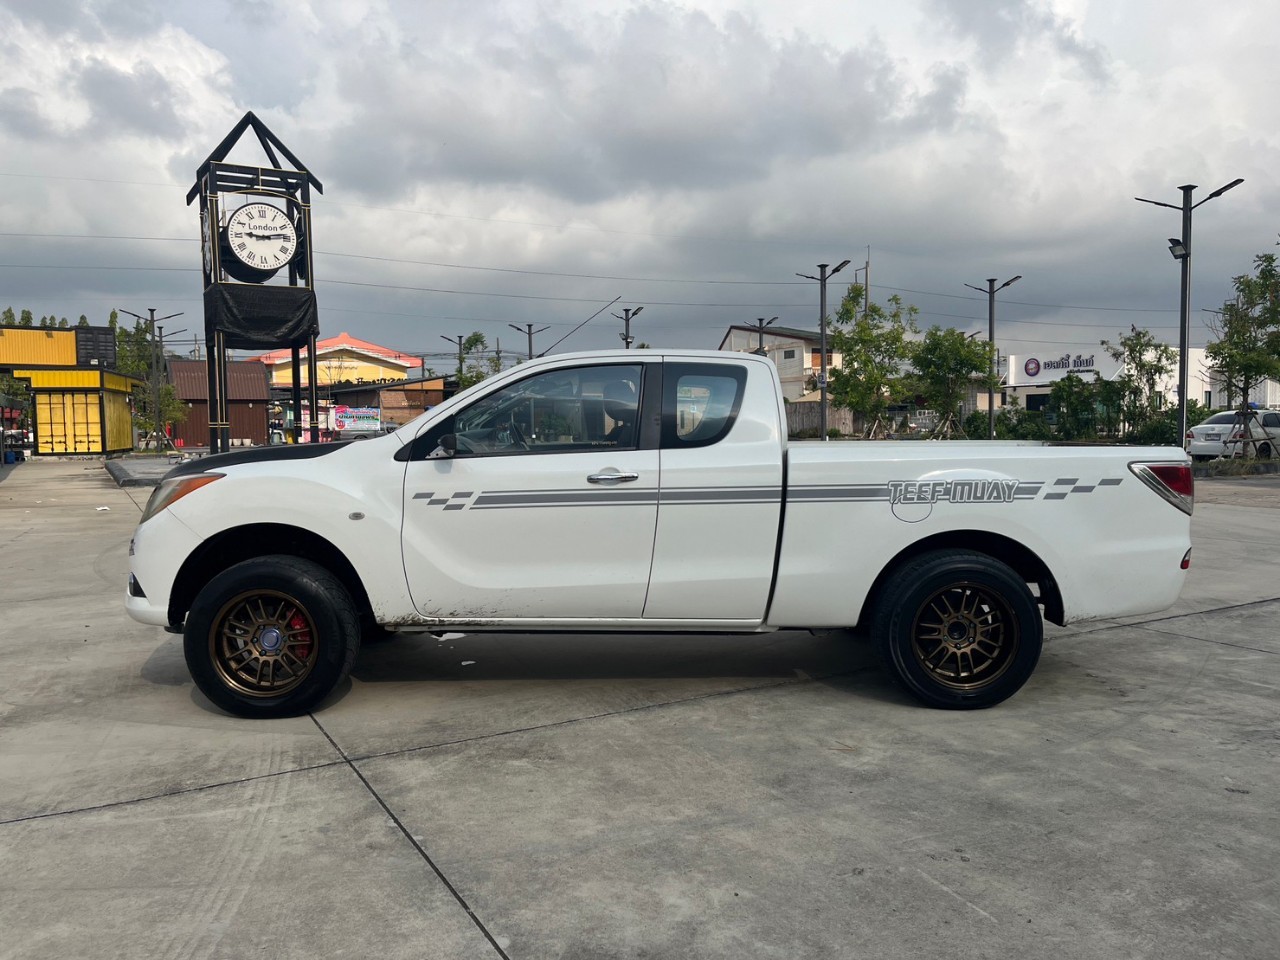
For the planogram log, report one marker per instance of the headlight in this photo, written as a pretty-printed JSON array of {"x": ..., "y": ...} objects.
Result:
[{"x": 170, "y": 492}]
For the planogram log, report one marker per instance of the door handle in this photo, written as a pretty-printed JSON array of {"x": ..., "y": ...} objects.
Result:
[{"x": 614, "y": 477}]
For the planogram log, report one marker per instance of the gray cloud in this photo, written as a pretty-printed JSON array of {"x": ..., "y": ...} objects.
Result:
[
  {"x": 20, "y": 114},
  {"x": 662, "y": 98},
  {"x": 141, "y": 101},
  {"x": 999, "y": 27},
  {"x": 634, "y": 139}
]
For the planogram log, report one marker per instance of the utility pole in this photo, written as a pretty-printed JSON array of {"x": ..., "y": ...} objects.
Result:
[
  {"x": 627, "y": 314},
  {"x": 458, "y": 342},
  {"x": 822, "y": 278},
  {"x": 761, "y": 323},
  {"x": 528, "y": 330},
  {"x": 865, "y": 270},
  {"x": 157, "y": 359},
  {"x": 993, "y": 364},
  {"x": 866, "y": 284}
]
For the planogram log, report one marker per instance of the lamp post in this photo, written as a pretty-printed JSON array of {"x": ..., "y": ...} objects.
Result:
[
  {"x": 528, "y": 330},
  {"x": 761, "y": 323},
  {"x": 157, "y": 361},
  {"x": 1180, "y": 247},
  {"x": 627, "y": 314},
  {"x": 991, "y": 339},
  {"x": 822, "y": 278}
]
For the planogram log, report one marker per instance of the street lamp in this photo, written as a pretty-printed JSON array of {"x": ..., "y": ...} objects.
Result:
[
  {"x": 626, "y": 317},
  {"x": 822, "y": 278},
  {"x": 528, "y": 330},
  {"x": 1180, "y": 247},
  {"x": 991, "y": 339},
  {"x": 157, "y": 362},
  {"x": 761, "y": 323}
]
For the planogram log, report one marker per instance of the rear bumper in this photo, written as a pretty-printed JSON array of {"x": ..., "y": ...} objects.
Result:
[{"x": 1125, "y": 581}]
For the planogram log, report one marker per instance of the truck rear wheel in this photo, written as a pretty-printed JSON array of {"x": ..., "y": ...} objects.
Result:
[
  {"x": 271, "y": 637},
  {"x": 958, "y": 630}
]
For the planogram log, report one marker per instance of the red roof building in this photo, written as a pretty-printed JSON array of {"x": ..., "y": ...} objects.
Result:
[{"x": 342, "y": 359}]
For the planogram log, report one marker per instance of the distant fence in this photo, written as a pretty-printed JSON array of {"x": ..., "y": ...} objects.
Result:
[{"x": 807, "y": 418}]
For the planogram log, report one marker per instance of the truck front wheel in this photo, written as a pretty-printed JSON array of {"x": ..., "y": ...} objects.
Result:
[
  {"x": 271, "y": 637},
  {"x": 958, "y": 630}
]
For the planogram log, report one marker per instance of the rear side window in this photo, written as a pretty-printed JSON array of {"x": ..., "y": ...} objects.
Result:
[
  {"x": 700, "y": 402},
  {"x": 1271, "y": 419}
]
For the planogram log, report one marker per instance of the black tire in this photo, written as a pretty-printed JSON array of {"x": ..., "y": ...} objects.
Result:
[
  {"x": 271, "y": 637},
  {"x": 1264, "y": 451},
  {"x": 958, "y": 630}
]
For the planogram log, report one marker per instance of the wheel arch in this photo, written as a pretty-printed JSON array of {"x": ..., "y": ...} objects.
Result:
[
  {"x": 1023, "y": 561},
  {"x": 237, "y": 544}
]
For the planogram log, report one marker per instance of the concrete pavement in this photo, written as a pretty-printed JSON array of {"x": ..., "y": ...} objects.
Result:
[{"x": 592, "y": 797}]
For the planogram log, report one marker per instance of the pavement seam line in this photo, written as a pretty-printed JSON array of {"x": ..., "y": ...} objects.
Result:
[
  {"x": 1176, "y": 616},
  {"x": 348, "y": 761},
  {"x": 1221, "y": 643},
  {"x": 453, "y": 891},
  {"x": 602, "y": 716},
  {"x": 171, "y": 793}
]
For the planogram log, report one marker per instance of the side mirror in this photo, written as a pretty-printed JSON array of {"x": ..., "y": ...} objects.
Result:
[{"x": 447, "y": 447}]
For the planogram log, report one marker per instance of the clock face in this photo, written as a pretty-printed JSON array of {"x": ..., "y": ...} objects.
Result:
[{"x": 262, "y": 236}]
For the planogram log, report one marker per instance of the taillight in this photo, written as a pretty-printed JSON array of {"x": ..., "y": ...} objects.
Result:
[
  {"x": 1190, "y": 435},
  {"x": 1173, "y": 481}
]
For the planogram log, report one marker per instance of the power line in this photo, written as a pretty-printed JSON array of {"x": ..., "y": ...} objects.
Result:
[
  {"x": 450, "y": 216},
  {"x": 574, "y": 276}
]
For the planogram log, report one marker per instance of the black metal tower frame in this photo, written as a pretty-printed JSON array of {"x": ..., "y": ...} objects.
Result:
[{"x": 292, "y": 187}]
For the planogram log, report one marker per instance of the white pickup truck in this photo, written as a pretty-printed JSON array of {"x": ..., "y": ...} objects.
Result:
[{"x": 649, "y": 491}]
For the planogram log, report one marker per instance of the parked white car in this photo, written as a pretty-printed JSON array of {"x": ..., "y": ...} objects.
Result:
[{"x": 1223, "y": 435}]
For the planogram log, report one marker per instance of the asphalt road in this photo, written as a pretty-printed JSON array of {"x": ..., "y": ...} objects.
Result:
[{"x": 598, "y": 798}]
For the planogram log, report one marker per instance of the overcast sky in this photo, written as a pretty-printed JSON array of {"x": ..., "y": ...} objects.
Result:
[{"x": 490, "y": 163}]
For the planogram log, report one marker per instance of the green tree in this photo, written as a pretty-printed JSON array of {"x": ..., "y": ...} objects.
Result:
[
  {"x": 1110, "y": 406},
  {"x": 1162, "y": 429},
  {"x": 475, "y": 362},
  {"x": 135, "y": 357},
  {"x": 83, "y": 321},
  {"x": 873, "y": 349},
  {"x": 134, "y": 354},
  {"x": 1074, "y": 403},
  {"x": 7, "y": 318},
  {"x": 947, "y": 364},
  {"x": 1247, "y": 349},
  {"x": 1144, "y": 362},
  {"x": 26, "y": 320}
]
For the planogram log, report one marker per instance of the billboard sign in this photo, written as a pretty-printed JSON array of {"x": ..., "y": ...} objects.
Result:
[{"x": 357, "y": 418}]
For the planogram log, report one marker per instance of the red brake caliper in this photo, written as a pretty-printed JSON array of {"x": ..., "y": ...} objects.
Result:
[{"x": 302, "y": 641}]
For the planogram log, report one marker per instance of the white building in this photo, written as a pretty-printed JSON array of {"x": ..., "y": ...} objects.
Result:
[
  {"x": 796, "y": 353},
  {"x": 1030, "y": 377}
]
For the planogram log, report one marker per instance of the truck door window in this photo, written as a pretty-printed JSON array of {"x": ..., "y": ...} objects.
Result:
[
  {"x": 701, "y": 403},
  {"x": 560, "y": 411}
]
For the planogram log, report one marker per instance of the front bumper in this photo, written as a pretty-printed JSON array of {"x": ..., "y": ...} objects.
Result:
[{"x": 159, "y": 548}]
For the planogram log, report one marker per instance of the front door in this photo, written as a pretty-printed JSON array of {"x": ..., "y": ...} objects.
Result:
[{"x": 548, "y": 508}]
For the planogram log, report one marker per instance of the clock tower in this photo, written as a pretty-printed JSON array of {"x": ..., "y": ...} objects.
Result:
[{"x": 255, "y": 229}]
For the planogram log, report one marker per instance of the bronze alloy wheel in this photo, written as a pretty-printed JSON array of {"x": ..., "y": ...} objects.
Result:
[
  {"x": 965, "y": 636},
  {"x": 262, "y": 643}
]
